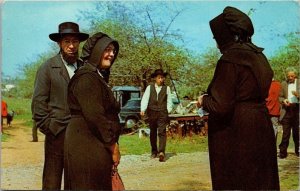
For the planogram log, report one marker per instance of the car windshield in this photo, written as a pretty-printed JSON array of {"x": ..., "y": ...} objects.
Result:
[{"x": 133, "y": 103}]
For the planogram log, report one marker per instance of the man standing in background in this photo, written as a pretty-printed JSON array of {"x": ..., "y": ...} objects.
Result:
[
  {"x": 157, "y": 103},
  {"x": 289, "y": 114},
  {"x": 49, "y": 103}
]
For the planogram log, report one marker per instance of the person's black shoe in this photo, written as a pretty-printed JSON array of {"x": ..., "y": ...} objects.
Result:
[
  {"x": 161, "y": 157},
  {"x": 282, "y": 156},
  {"x": 153, "y": 155},
  {"x": 297, "y": 154}
]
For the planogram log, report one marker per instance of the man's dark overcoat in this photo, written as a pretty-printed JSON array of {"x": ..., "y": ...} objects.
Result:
[
  {"x": 284, "y": 95},
  {"x": 51, "y": 114},
  {"x": 49, "y": 107}
]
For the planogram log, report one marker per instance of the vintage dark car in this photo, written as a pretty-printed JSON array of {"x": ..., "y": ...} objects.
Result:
[
  {"x": 125, "y": 93},
  {"x": 130, "y": 113}
]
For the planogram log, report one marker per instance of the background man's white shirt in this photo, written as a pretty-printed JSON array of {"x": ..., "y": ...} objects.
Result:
[
  {"x": 292, "y": 87},
  {"x": 146, "y": 96}
]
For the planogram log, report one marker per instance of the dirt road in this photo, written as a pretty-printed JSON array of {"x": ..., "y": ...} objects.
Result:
[{"x": 22, "y": 166}]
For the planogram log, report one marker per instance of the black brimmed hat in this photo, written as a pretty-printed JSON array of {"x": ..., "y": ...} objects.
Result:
[
  {"x": 159, "y": 72},
  {"x": 68, "y": 28}
]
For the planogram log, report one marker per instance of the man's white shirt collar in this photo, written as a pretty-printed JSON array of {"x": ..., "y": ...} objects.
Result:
[{"x": 70, "y": 67}]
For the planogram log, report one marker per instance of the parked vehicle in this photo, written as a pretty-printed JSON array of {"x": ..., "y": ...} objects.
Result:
[
  {"x": 184, "y": 113},
  {"x": 130, "y": 113},
  {"x": 125, "y": 93}
]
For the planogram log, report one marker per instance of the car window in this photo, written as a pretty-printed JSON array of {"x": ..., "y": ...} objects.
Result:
[
  {"x": 133, "y": 103},
  {"x": 135, "y": 94}
]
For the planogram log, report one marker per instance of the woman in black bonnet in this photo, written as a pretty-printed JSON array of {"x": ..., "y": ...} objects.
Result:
[
  {"x": 242, "y": 147},
  {"x": 91, "y": 147}
]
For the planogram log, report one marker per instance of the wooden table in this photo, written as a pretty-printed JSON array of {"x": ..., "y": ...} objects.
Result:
[{"x": 187, "y": 125}]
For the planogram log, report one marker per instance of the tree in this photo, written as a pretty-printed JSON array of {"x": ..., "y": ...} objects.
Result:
[
  {"x": 146, "y": 44},
  {"x": 286, "y": 56},
  {"x": 26, "y": 83},
  {"x": 198, "y": 74}
]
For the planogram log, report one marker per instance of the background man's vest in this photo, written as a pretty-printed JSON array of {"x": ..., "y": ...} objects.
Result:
[{"x": 159, "y": 104}]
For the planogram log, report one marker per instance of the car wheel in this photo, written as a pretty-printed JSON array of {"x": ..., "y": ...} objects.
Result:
[{"x": 130, "y": 123}]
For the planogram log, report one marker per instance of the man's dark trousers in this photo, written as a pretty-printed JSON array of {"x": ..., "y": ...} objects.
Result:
[
  {"x": 290, "y": 122},
  {"x": 158, "y": 121},
  {"x": 54, "y": 161}
]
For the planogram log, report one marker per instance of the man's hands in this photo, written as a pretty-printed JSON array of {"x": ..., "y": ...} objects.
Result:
[
  {"x": 142, "y": 113},
  {"x": 295, "y": 93},
  {"x": 286, "y": 102},
  {"x": 200, "y": 101},
  {"x": 116, "y": 156}
]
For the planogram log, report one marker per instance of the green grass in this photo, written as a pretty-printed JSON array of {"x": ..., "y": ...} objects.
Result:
[
  {"x": 4, "y": 137},
  {"x": 133, "y": 145},
  {"x": 288, "y": 168},
  {"x": 289, "y": 175},
  {"x": 21, "y": 106}
]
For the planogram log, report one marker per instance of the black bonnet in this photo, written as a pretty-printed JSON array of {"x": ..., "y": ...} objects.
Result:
[
  {"x": 94, "y": 47},
  {"x": 239, "y": 23},
  {"x": 230, "y": 25}
]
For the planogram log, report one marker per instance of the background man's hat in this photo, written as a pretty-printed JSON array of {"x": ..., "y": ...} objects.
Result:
[
  {"x": 68, "y": 28},
  {"x": 158, "y": 72}
]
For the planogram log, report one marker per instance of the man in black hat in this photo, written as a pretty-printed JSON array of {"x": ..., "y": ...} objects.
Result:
[
  {"x": 157, "y": 103},
  {"x": 49, "y": 102}
]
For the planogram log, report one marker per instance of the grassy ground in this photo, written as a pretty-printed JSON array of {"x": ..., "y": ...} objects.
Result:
[
  {"x": 22, "y": 110},
  {"x": 289, "y": 174},
  {"x": 289, "y": 167},
  {"x": 132, "y": 144},
  {"x": 21, "y": 107},
  {"x": 3, "y": 137}
]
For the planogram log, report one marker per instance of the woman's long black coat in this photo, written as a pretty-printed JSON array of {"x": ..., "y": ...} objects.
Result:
[
  {"x": 242, "y": 147},
  {"x": 94, "y": 126}
]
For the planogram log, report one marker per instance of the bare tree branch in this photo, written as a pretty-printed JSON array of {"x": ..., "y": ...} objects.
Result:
[
  {"x": 152, "y": 24},
  {"x": 168, "y": 27}
]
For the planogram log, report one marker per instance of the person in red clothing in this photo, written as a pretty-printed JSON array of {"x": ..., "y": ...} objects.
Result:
[
  {"x": 273, "y": 103},
  {"x": 3, "y": 113}
]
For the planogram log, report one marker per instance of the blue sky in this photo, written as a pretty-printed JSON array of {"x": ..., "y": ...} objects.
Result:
[{"x": 25, "y": 25}]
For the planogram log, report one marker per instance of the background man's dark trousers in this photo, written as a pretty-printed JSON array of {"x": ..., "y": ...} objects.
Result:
[
  {"x": 158, "y": 121},
  {"x": 290, "y": 122}
]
